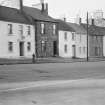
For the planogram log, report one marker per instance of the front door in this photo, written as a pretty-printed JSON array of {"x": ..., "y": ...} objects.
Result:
[
  {"x": 55, "y": 48},
  {"x": 21, "y": 45},
  {"x": 73, "y": 51}
]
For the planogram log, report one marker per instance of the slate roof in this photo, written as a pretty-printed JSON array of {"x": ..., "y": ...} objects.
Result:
[
  {"x": 78, "y": 28},
  {"x": 95, "y": 30},
  {"x": 37, "y": 14},
  {"x": 14, "y": 15},
  {"x": 64, "y": 26}
]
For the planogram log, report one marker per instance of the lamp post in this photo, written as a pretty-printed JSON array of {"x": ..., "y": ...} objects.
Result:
[{"x": 87, "y": 38}]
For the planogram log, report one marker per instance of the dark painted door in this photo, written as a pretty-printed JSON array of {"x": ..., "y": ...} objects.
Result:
[
  {"x": 21, "y": 45},
  {"x": 55, "y": 48}
]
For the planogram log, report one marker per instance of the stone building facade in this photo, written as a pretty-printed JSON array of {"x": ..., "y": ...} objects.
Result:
[
  {"x": 46, "y": 34},
  {"x": 95, "y": 44},
  {"x": 46, "y": 42}
]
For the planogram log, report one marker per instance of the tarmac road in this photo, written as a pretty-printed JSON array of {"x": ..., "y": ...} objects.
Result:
[
  {"x": 51, "y": 71},
  {"x": 79, "y": 92}
]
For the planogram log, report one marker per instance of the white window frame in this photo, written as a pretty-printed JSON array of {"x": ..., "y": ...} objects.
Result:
[
  {"x": 21, "y": 29},
  {"x": 10, "y": 46},
  {"x": 65, "y": 48},
  {"x": 10, "y": 29},
  {"x": 29, "y": 30},
  {"x": 42, "y": 28},
  {"x": 28, "y": 46},
  {"x": 73, "y": 36},
  {"x": 65, "y": 36},
  {"x": 54, "y": 29}
]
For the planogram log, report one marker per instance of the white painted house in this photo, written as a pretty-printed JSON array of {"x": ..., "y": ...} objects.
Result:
[
  {"x": 80, "y": 40},
  {"x": 66, "y": 40},
  {"x": 17, "y": 33}
]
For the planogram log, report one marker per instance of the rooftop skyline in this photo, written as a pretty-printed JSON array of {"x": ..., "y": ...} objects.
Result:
[{"x": 70, "y": 8}]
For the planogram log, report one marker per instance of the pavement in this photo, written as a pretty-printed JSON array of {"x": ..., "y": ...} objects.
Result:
[{"x": 49, "y": 60}]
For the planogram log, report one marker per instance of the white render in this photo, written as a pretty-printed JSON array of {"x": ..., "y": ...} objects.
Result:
[
  {"x": 81, "y": 44},
  {"x": 16, "y": 39},
  {"x": 69, "y": 42}
]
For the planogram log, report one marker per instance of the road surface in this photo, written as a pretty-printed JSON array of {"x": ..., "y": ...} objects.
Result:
[
  {"x": 79, "y": 92},
  {"x": 55, "y": 71},
  {"x": 31, "y": 84}
]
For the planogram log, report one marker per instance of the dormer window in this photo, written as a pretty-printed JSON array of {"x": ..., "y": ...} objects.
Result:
[{"x": 10, "y": 29}]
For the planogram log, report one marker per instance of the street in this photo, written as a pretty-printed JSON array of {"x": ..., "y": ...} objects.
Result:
[
  {"x": 51, "y": 71},
  {"x": 81, "y": 83},
  {"x": 81, "y": 92}
]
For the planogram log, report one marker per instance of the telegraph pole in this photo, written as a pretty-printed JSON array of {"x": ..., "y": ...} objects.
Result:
[{"x": 87, "y": 37}]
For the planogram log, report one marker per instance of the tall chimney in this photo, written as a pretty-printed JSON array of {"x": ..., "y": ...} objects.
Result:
[
  {"x": 47, "y": 8},
  {"x": 42, "y": 5},
  {"x": 21, "y": 5}
]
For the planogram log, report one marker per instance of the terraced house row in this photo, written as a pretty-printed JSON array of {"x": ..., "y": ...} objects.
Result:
[{"x": 25, "y": 31}]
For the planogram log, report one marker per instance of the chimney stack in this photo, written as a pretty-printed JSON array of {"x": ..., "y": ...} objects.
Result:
[
  {"x": 47, "y": 8},
  {"x": 21, "y": 5},
  {"x": 42, "y": 5}
]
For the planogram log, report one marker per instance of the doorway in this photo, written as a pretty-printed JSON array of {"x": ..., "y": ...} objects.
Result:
[
  {"x": 73, "y": 51},
  {"x": 55, "y": 48},
  {"x": 21, "y": 45}
]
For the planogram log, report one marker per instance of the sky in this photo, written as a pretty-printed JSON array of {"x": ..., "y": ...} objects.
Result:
[{"x": 70, "y": 8}]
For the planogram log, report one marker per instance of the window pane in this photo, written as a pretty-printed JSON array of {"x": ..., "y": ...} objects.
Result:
[
  {"x": 43, "y": 46},
  {"x": 21, "y": 29},
  {"x": 65, "y": 36},
  {"x": 10, "y": 46},
  {"x": 65, "y": 48},
  {"x": 29, "y": 46},
  {"x": 54, "y": 29},
  {"x": 29, "y": 30},
  {"x": 73, "y": 36},
  {"x": 42, "y": 28},
  {"x": 10, "y": 29}
]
